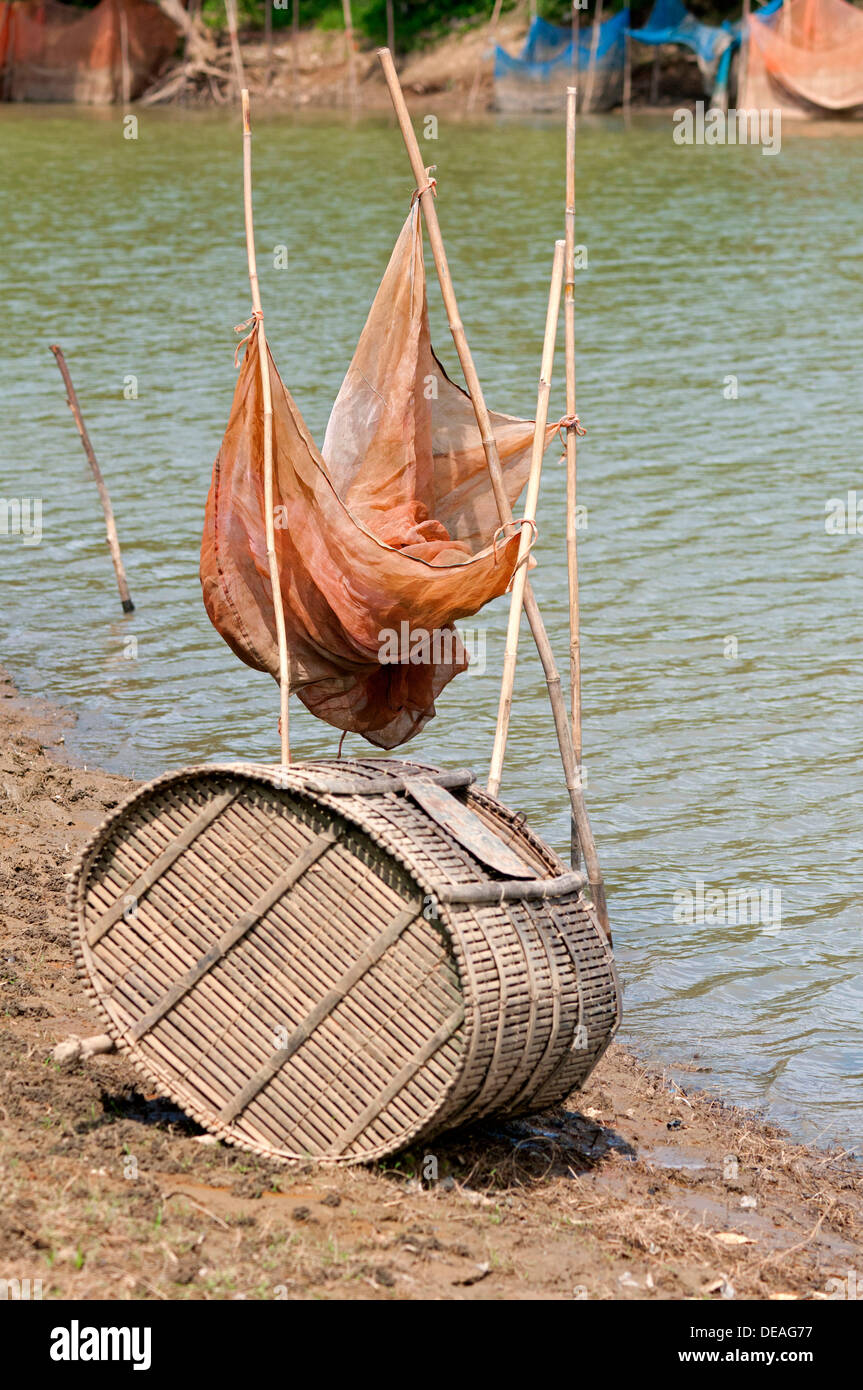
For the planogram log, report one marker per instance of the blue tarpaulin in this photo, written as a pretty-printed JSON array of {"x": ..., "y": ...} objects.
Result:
[
  {"x": 536, "y": 79},
  {"x": 671, "y": 23},
  {"x": 713, "y": 45}
]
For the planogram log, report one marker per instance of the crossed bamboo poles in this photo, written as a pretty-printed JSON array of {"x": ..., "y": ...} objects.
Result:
[{"x": 567, "y": 728}]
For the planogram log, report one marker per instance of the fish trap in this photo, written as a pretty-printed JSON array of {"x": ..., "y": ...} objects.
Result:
[{"x": 338, "y": 959}]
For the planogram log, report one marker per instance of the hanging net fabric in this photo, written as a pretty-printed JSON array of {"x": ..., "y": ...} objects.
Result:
[
  {"x": 549, "y": 62},
  {"x": 670, "y": 22},
  {"x": 806, "y": 59},
  {"x": 384, "y": 539},
  {"x": 55, "y": 52}
]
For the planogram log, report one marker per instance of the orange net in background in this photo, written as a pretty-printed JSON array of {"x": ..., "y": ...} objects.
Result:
[
  {"x": 52, "y": 52},
  {"x": 806, "y": 59},
  {"x": 389, "y": 533}
]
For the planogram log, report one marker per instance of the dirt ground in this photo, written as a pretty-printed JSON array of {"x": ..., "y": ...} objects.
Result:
[
  {"x": 456, "y": 71},
  {"x": 634, "y": 1190}
]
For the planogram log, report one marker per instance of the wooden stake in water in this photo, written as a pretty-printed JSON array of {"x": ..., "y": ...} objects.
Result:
[
  {"x": 528, "y": 524},
  {"x": 489, "y": 444},
  {"x": 110, "y": 526},
  {"x": 743, "y": 60},
  {"x": 125, "y": 67},
  {"x": 572, "y": 446},
  {"x": 351, "y": 53},
  {"x": 295, "y": 52},
  {"x": 654, "y": 79},
  {"x": 267, "y": 394},
  {"x": 587, "y": 105},
  {"x": 236, "y": 55},
  {"x": 268, "y": 40},
  {"x": 477, "y": 77}
]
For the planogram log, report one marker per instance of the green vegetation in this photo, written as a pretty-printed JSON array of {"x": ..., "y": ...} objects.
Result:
[{"x": 422, "y": 21}]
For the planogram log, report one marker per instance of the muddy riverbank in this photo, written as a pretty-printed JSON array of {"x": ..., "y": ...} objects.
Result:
[{"x": 636, "y": 1189}]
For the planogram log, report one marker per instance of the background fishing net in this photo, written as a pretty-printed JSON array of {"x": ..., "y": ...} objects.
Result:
[
  {"x": 806, "y": 59},
  {"x": 53, "y": 52},
  {"x": 537, "y": 79},
  {"x": 391, "y": 529}
]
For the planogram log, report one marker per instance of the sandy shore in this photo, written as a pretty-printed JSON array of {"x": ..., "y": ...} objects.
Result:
[{"x": 633, "y": 1190}]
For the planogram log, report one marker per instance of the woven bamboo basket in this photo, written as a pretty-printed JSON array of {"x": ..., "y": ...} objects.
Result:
[{"x": 337, "y": 959}]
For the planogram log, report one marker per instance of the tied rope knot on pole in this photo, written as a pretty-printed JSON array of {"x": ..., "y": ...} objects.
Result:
[
  {"x": 570, "y": 422},
  {"x": 512, "y": 528},
  {"x": 431, "y": 184},
  {"x": 256, "y": 317}
]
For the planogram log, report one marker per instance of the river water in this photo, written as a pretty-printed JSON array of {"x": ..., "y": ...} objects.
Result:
[{"x": 719, "y": 325}]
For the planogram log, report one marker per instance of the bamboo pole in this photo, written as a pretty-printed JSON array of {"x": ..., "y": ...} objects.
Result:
[
  {"x": 268, "y": 40},
  {"x": 528, "y": 524},
  {"x": 236, "y": 55},
  {"x": 267, "y": 394},
  {"x": 654, "y": 79},
  {"x": 587, "y": 104},
  {"x": 477, "y": 77},
  {"x": 110, "y": 526},
  {"x": 572, "y": 446},
  {"x": 125, "y": 68},
  {"x": 743, "y": 60},
  {"x": 295, "y": 52},
  {"x": 351, "y": 52},
  {"x": 489, "y": 443}
]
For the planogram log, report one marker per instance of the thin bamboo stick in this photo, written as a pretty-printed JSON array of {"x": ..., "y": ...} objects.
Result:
[
  {"x": 591, "y": 69},
  {"x": 268, "y": 40},
  {"x": 572, "y": 444},
  {"x": 267, "y": 393},
  {"x": 295, "y": 52},
  {"x": 236, "y": 55},
  {"x": 480, "y": 64},
  {"x": 654, "y": 79},
  {"x": 110, "y": 526},
  {"x": 520, "y": 579},
  {"x": 489, "y": 443},
  {"x": 743, "y": 60},
  {"x": 125, "y": 68},
  {"x": 351, "y": 52}
]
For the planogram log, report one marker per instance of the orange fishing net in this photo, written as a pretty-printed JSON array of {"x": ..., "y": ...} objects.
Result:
[
  {"x": 54, "y": 52},
  {"x": 384, "y": 540},
  {"x": 806, "y": 59}
]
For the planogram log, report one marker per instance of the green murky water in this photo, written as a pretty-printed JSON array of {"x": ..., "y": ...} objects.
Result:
[{"x": 722, "y": 641}]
